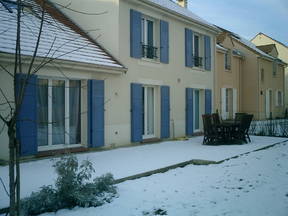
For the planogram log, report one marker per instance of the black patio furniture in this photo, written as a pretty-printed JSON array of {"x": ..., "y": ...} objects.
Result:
[
  {"x": 210, "y": 133},
  {"x": 228, "y": 131},
  {"x": 241, "y": 132},
  {"x": 215, "y": 118}
]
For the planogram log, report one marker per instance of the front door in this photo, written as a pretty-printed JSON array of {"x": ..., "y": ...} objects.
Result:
[{"x": 149, "y": 112}]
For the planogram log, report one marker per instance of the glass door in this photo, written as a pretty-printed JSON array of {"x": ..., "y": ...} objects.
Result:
[{"x": 149, "y": 112}]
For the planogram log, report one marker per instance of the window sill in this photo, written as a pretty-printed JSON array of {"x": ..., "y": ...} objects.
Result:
[
  {"x": 150, "y": 60},
  {"x": 58, "y": 147}
]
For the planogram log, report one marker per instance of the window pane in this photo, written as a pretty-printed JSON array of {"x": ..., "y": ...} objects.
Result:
[
  {"x": 58, "y": 112},
  {"x": 42, "y": 112},
  {"x": 74, "y": 111}
]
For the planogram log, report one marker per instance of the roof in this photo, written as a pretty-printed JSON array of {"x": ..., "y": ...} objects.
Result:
[
  {"x": 247, "y": 43},
  {"x": 174, "y": 7},
  {"x": 261, "y": 33},
  {"x": 267, "y": 48},
  {"x": 60, "y": 39}
]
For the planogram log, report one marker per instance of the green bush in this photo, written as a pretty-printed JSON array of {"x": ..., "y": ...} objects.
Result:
[{"x": 72, "y": 188}]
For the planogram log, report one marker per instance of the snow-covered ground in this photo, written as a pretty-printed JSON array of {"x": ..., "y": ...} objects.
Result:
[
  {"x": 251, "y": 185},
  {"x": 124, "y": 162}
]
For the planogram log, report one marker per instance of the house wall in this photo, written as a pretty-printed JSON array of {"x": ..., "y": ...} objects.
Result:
[
  {"x": 253, "y": 90},
  {"x": 262, "y": 39},
  {"x": 115, "y": 130},
  {"x": 174, "y": 74},
  {"x": 227, "y": 78}
]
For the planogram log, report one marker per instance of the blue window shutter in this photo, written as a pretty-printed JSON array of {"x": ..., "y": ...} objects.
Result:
[
  {"x": 189, "y": 111},
  {"x": 164, "y": 42},
  {"x": 165, "y": 112},
  {"x": 26, "y": 124},
  {"x": 189, "y": 61},
  {"x": 208, "y": 101},
  {"x": 95, "y": 113},
  {"x": 207, "y": 49},
  {"x": 136, "y": 112},
  {"x": 135, "y": 34}
]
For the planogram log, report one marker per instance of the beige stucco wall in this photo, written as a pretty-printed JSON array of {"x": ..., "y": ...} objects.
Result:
[{"x": 262, "y": 39}]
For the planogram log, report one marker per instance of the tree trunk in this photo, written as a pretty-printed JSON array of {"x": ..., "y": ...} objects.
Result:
[{"x": 12, "y": 135}]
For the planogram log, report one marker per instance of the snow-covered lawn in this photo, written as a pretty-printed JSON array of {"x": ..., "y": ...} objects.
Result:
[
  {"x": 125, "y": 162},
  {"x": 254, "y": 184}
]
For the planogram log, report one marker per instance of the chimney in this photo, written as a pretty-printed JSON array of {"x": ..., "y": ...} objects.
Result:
[{"x": 183, "y": 3}]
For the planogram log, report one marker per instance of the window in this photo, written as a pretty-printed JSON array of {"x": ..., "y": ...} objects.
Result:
[
  {"x": 198, "y": 46},
  {"x": 228, "y": 60},
  {"x": 58, "y": 112},
  {"x": 274, "y": 68},
  {"x": 149, "y": 49},
  {"x": 279, "y": 98}
]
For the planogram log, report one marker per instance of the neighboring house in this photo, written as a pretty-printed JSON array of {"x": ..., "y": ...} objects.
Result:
[
  {"x": 262, "y": 41},
  {"x": 170, "y": 56},
  {"x": 247, "y": 79},
  {"x": 63, "y": 105}
]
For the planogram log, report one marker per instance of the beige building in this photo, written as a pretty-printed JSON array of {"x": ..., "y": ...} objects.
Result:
[
  {"x": 266, "y": 43},
  {"x": 247, "y": 79},
  {"x": 160, "y": 89}
]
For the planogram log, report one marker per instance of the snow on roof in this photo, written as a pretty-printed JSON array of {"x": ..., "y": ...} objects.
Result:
[
  {"x": 58, "y": 40},
  {"x": 218, "y": 46},
  {"x": 172, "y": 6},
  {"x": 251, "y": 46}
]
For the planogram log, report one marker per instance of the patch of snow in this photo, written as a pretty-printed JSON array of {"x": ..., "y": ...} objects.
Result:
[
  {"x": 254, "y": 184},
  {"x": 125, "y": 162}
]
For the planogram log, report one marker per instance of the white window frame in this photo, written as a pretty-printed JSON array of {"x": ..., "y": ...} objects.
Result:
[
  {"x": 200, "y": 46},
  {"x": 50, "y": 146}
]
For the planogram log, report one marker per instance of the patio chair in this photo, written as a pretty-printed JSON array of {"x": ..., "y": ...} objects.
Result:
[
  {"x": 210, "y": 133},
  {"x": 215, "y": 119},
  {"x": 238, "y": 116},
  {"x": 241, "y": 132}
]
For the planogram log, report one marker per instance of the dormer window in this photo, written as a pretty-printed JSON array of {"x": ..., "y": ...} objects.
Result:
[{"x": 149, "y": 49}]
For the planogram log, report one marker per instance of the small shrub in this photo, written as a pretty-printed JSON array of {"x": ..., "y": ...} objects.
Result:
[{"x": 72, "y": 188}]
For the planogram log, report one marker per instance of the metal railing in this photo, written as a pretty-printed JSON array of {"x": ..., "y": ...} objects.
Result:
[
  {"x": 149, "y": 51},
  {"x": 198, "y": 61}
]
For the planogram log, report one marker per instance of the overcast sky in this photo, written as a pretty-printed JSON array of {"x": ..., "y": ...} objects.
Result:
[{"x": 246, "y": 17}]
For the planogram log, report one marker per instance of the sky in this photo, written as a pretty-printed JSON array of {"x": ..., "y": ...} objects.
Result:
[{"x": 246, "y": 17}]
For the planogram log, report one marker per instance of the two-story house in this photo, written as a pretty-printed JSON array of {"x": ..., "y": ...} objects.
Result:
[
  {"x": 247, "y": 79},
  {"x": 269, "y": 45},
  {"x": 170, "y": 56}
]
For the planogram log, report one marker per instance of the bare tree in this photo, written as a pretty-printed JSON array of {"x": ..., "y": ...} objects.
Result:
[{"x": 10, "y": 118}]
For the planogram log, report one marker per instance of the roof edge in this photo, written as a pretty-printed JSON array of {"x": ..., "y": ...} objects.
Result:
[{"x": 211, "y": 28}]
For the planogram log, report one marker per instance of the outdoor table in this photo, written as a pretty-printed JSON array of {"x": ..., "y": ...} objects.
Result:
[{"x": 225, "y": 130}]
